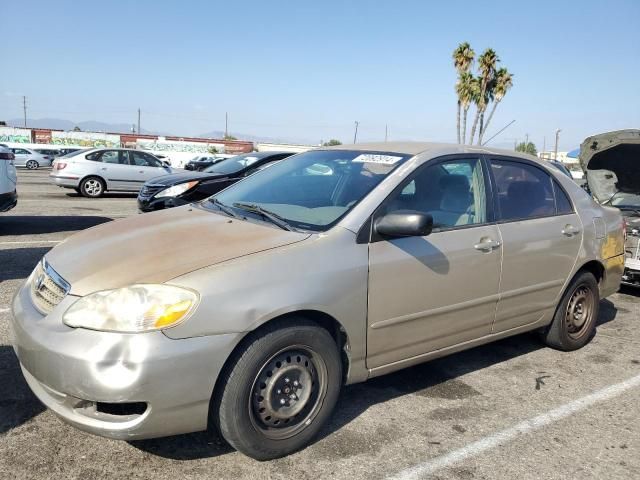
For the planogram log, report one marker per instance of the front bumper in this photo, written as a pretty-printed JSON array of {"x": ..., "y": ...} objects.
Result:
[
  {"x": 8, "y": 201},
  {"x": 74, "y": 371},
  {"x": 151, "y": 204}
]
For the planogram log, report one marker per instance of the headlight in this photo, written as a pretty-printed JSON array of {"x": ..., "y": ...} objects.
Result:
[
  {"x": 176, "y": 189},
  {"x": 138, "y": 308}
]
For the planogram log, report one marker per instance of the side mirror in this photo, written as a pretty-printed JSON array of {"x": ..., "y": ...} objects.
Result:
[
  {"x": 166, "y": 164},
  {"x": 404, "y": 223}
]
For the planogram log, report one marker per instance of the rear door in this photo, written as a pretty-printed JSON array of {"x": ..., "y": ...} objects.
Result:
[
  {"x": 541, "y": 236},
  {"x": 21, "y": 156},
  {"x": 115, "y": 169}
]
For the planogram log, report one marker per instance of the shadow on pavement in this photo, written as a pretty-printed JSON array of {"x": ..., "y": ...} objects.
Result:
[
  {"x": 18, "y": 263},
  {"x": 32, "y": 224},
  {"x": 17, "y": 404}
]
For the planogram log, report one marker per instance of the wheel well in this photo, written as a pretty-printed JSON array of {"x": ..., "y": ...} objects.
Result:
[
  {"x": 104, "y": 182},
  {"x": 324, "y": 320},
  {"x": 596, "y": 268}
]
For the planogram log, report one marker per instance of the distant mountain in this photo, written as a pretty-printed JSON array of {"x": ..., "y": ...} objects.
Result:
[
  {"x": 87, "y": 126},
  {"x": 95, "y": 126},
  {"x": 249, "y": 137}
]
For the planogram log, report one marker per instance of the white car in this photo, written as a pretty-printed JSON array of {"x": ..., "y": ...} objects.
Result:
[
  {"x": 8, "y": 180},
  {"x": 29, "y": 158},
  {"x": 93, "y": 172}
]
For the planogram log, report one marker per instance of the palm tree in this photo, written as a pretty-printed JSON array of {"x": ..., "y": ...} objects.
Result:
[
  {"x": 466, "y": 88},
  {"x": 462, "y": 60},
  {"x": 487, "y": 66},
  {"x": 503, "y": 81}
]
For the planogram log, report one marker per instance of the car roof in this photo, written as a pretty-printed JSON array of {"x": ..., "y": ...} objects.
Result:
[{"x": 429, "y": 148}]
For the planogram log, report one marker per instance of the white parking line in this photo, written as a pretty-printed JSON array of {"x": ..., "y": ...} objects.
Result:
[
  {"x": 30, "y": 241},
  {"x": 430, "y": 466}
]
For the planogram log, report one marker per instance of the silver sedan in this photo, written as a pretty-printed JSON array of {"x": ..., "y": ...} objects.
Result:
[{"x": 249, "y": 311}]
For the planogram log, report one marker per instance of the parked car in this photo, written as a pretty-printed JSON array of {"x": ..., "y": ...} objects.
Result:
[
  {"x": 611, "y": 161},
  {"x": 182, "y": 188},
  {"x": 67, "y": 150},
  {"x": 29, "y": 158},
  {"x": 93, "y": 172},
  {"x": 202, "y": 162},
  {"x": 8, "y": 180},
  {"x": 250, "y": 310},
  {"x": 49, "y": 152}
]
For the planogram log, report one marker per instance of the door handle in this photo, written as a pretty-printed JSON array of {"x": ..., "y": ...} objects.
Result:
[
  {"x": 103, "y": 168},
  {"x": 486, "y": 244},
  {"x": 569, "y": 230},
  {"x": 140, "y": 171}
]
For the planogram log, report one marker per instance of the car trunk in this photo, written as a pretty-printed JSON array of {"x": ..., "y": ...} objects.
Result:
[{"x": 611, "y": 162}]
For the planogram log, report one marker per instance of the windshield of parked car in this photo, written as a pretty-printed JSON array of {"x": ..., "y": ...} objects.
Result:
[
  {"x": 312, "y": 190},
  {"x": 233, "y": 164},
  {"x": 625, "y": 200}
]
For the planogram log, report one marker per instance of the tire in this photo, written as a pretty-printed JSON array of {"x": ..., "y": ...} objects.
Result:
[
  {"x": 574, "y": 322},
  {"x": 92, "y": 187},
  {"x": 262, "y": 407},
  {"x": 32, "y": 165},
  {"x": 77, "y": 190}
]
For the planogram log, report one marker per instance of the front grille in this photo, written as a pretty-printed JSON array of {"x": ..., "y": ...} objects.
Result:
[
  {"x": 47, "y": 287},
  {"x": 150, "y": 190}
]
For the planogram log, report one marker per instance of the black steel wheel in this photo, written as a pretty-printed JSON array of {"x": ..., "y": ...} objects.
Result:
[
  {"x": 574, "y": 321},
  {"x": 278, "y": 389}
]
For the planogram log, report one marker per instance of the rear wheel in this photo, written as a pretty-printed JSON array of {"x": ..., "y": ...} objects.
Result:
[
  {"x": 32, "y": 164},
  {"x": 574, "y": 322},
  {"x": 279, "y": 390},
  {"x": 92, "y": 187}
]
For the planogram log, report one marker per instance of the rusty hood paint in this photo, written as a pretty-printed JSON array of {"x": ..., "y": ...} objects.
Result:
[{"x": 156, "y": 247}]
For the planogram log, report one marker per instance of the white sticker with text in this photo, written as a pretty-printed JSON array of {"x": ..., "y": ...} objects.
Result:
[{"x": 376, "y": 158}]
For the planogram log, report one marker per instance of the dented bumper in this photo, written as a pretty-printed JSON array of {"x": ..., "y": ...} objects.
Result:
[{"x": 124, "y": 386}]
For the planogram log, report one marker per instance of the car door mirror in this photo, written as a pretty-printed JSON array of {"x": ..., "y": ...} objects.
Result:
[
  {"x": 166, "y": 164},
  {"x": 404, "y": 223}
]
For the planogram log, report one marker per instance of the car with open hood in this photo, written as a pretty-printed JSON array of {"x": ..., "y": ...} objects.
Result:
[
  {"x": 182, "y": 188},
  {"x": 248, "y": 311},
  {"x": 611, "y": 162}
]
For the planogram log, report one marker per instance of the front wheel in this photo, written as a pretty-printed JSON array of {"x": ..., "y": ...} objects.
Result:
[
  {"x": 32, "y": 165},
  {"x": 574, "y": 322},
  {"x": 279, "y": 390}
]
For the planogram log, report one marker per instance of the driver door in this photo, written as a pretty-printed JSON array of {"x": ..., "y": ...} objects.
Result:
[{"x": 432, "y": 292}]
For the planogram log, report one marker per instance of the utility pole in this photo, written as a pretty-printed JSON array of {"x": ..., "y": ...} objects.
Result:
[
  {"x": 355, "y": 134},
  {"x": 24, "y": 107},
  {"x": 138, "y": 121},
  {"x": 526, "y": 141},
  {"x": 555, "y": 149},
  {"x": 544, "y": 147},
  {"x": 386, "y": 132},
  {"x": 226, "y": 125}
]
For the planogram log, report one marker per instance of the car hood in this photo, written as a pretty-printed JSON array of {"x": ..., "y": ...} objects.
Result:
[
  {"x": 156, "y": 247},
  {"x": 182, "y": 177},
  {"x": 612, "y": 163}
]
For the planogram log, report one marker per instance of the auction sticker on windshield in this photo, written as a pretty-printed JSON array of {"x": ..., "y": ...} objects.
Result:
[{"x": 376, "y": 158}]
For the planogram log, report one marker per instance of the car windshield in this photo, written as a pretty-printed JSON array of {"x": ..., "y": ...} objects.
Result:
[
  {"x": 233, "y": 165},
  {"x": 626, "y": 200},
  {"x": 312, "y": 190}
]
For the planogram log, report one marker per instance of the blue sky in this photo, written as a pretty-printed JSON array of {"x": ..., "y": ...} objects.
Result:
[{"x": 308, "y": 70}]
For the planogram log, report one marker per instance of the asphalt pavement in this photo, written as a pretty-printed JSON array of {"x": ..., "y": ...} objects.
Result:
[{"x": 512, "y": 409}]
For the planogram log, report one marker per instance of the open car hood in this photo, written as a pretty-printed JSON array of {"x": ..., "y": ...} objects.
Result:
[{"x": 611, "y": 162}]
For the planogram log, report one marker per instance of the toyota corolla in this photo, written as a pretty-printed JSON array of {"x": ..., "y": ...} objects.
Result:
[{"x": 249, "y": 311}]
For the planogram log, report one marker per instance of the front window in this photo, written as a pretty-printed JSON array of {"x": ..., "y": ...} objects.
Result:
[
  {"x": 313, "y": 190},
  {"x": 233, "y": 165},
  {"x": 453, "y": 193}
]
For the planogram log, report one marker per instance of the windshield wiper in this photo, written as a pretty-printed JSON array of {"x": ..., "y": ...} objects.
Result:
[
  {"x": 271, "y": 216},
  {"x": 225, "y": 208}
]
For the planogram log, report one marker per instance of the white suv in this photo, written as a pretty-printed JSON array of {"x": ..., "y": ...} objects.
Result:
[
  {"x": 93, "y": 172},
  {"x": 8, "y": 180}
]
